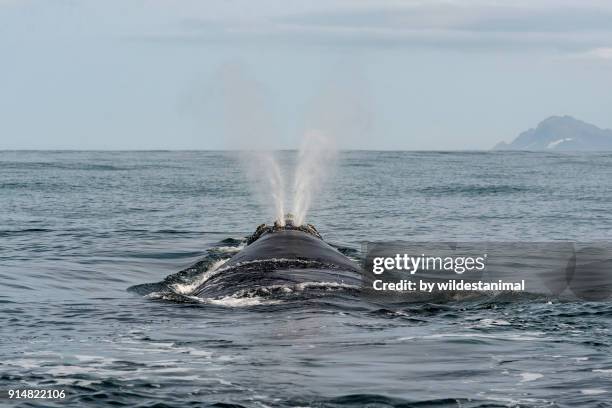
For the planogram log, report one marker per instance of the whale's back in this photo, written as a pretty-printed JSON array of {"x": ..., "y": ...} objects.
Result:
[
  {"x": 282, "y": 259},
  {"x": 289, "y": 245}
]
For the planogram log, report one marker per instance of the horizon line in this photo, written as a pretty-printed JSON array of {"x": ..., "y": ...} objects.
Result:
[{"x": 296, "y": 150}]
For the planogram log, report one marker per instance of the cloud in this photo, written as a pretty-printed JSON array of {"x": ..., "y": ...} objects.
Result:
[
  {"x": 603, "y": 53},
  {"x": 572, "y": 26},
  {"x": 568, "y": 26},
  {"x": 466, "y": 16}
]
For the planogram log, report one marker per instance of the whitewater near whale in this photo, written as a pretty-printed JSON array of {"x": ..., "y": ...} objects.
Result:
[{"x": 278, "y": 259}]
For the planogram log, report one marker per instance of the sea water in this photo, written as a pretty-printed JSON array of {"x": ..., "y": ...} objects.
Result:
[{"x": 78, "y": 228}]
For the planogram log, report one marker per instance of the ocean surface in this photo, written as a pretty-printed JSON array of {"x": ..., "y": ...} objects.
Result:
[{"x": 79, "y": 228}]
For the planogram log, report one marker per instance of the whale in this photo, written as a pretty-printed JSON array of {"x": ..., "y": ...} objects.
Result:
[
  {"x": 275, "y": 259},
  {"x": 282, "y": 257}
]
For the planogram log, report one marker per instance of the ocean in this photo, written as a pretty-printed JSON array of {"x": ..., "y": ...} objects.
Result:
[{"x": 77, "y": 229}]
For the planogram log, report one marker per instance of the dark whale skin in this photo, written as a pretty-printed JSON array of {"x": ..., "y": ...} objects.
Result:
[
  {"x": 292, "y": 244},
  {"x": 281, "y": 258}
]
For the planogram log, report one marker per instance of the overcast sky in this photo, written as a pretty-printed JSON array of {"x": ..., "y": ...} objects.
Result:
[{"x": 170, "y": 74}]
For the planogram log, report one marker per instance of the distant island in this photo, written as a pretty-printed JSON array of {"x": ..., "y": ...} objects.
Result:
[{"x": 561, "y": 133}]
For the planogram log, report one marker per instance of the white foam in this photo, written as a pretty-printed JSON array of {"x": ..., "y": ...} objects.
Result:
[
  {"x": 188, "y": 288},
  {"x": 218, "y": 380},
  {"x": 527, "y": 377},
  {"x": 527, "y": 336},
  {"x": 25, "y": 363},
  {"x": 200, "y": 353},
  {"x": 229, "y": 249},
  {"x": 70, "y": 370},
  {"x": 172, "y": 370},
  {"x": 493, "y": 322},
  {"x": 232, "y": 301},
  {"x": 325, "y": 285},
  {"x": 91, "y": 359},
  {"x": 593, "y": 391},
  {"x": 247, "y": 297},
  {"x": 251, "y": 293}
]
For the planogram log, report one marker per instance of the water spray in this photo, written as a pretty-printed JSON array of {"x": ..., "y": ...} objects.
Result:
[
  {"x": 265, "y": 181},
  {"x": 275, "y": 180},
  {"x": 315, "y": 157},
  {"x": 314, "y": 161}
]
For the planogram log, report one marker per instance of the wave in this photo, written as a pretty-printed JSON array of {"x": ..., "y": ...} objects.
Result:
[
  {"x": 275, "y": 294},
  {"x": 23, "y": 231},
  {"x": 81, "y": 166},
  {"x": 188, "y": 288},
  {"x": 257, "y": 296},
  {"x": 62, "y": 166},
  {"x": 473, "y": 190},
  {"x": 235, "y": 301},
  {"x": 383, "y": 401}
]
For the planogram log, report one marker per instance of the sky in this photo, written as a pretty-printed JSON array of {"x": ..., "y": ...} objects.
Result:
[{"x": 242, "y": 74}]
